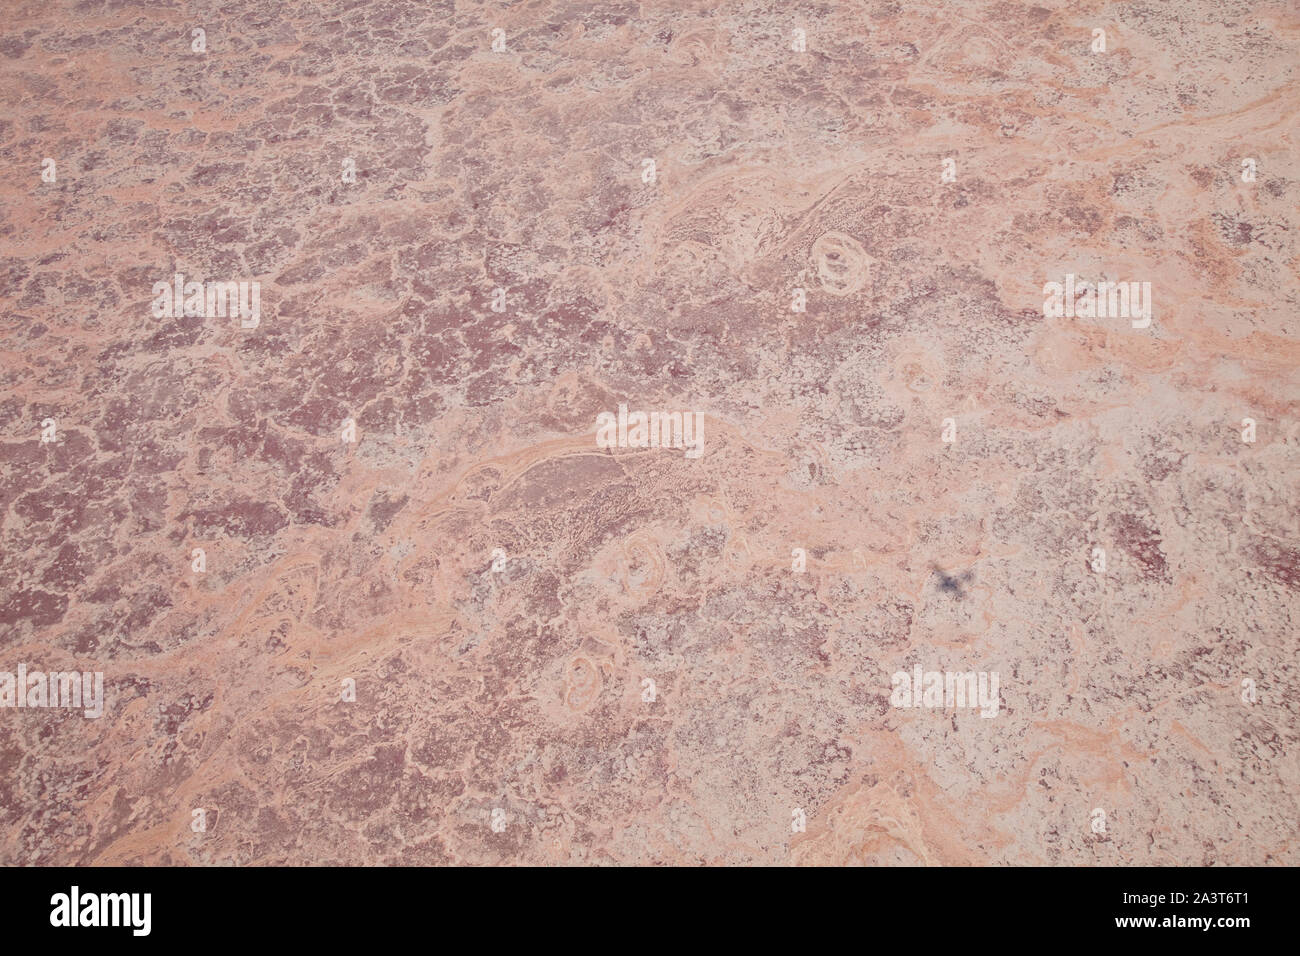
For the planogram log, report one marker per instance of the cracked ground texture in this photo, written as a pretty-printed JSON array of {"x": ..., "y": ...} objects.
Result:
[{"x": 521, "y": 687}]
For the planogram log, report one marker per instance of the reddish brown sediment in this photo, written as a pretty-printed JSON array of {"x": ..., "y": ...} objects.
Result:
[{"x": 523, "y": 689}]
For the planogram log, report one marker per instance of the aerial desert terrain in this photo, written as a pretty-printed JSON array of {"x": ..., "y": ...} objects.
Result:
[{"x": 370, "y": 577}]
